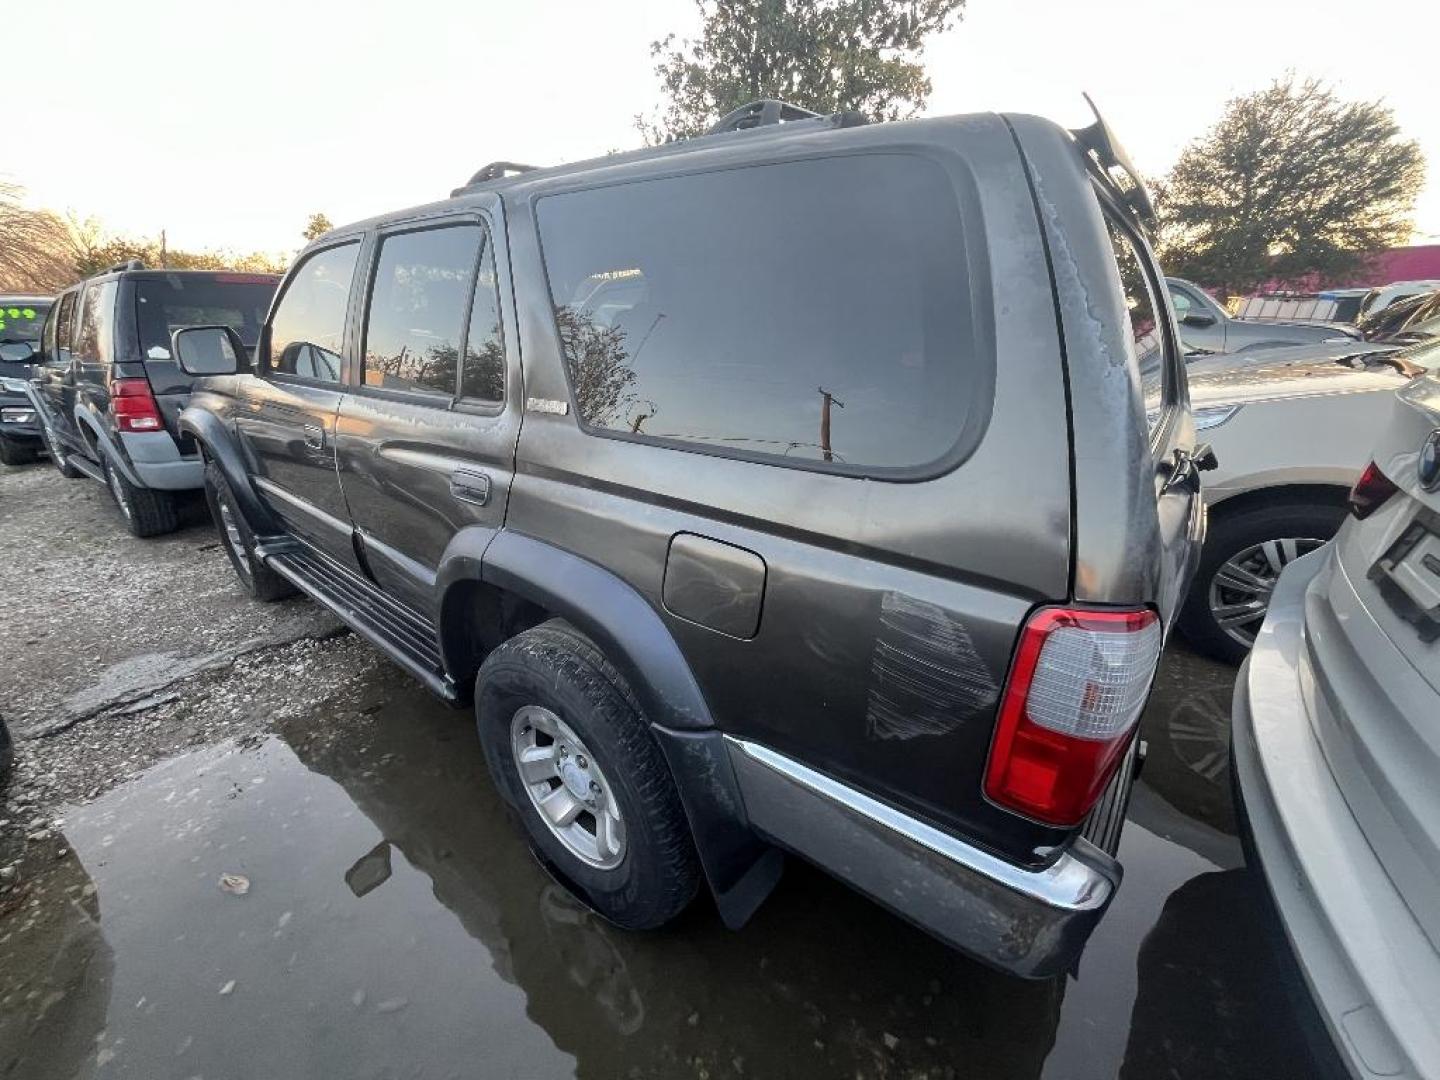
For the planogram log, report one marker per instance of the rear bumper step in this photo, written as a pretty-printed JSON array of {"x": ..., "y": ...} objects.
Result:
[{"x": 403, "y": 634}]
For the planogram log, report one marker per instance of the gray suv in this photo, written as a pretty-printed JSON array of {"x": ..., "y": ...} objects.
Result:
[
  {"x": 788, "y": 488},
  {"x": 1206, "y": 325}
]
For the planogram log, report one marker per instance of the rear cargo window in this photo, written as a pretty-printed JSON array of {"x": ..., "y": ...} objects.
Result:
[
  {"x": 164, "y": 305},
  {"x": 816, "y": 312}
]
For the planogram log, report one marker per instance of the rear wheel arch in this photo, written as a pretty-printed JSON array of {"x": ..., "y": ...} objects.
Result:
[
  {"x": 218, "y": 446},
  {"x": 1280, "y": 495}
]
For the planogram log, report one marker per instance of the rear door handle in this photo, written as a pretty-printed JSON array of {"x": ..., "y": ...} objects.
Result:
[
  {"x": 315, "y": 436},
  {"x": 471, "y": 487}
]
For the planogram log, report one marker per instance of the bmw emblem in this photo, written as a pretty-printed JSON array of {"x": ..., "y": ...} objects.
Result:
[{"x": 1429, "y": 467}]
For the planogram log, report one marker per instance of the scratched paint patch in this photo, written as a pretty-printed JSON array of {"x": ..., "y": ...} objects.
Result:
[{"x": 925, "y": 676}]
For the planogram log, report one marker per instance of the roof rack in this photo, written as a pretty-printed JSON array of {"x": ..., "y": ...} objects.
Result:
[
  {"x": 128, "y": 264},
  {"x": 496, "y": 169},
  {"x": 1107, "y": 153},
  {"x": 760, "y": 114}
]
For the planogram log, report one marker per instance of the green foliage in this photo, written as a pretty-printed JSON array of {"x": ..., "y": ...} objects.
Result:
[
  {"x": 825, "y": 55},
  {"x": 316, "y": 227},
  {"x": 1292, "y": 184}
]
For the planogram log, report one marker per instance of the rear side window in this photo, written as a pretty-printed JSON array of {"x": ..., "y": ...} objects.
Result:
[
  {"x": 164, "y": 305},
  {"x": 95, "y": 338},
  {"x": 416, "y": 320},
  {"x": 816, "y": 312},
  {"x": 1146, "y": 332},
  {"x": 308, "y": 330},
  {"x": 63, "y": 325}
]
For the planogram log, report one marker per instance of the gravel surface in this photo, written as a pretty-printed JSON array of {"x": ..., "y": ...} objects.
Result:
[{"x": 94, "y": 617}]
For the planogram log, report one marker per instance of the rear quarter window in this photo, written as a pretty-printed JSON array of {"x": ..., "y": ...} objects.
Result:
[{"x": 813, "y": 313}]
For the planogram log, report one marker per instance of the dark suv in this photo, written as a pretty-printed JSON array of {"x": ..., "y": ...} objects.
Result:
[
  {"x": 21, "y": 317},
  {"x": 109, "y": 393},
  {"x": 785, "y": 488}
]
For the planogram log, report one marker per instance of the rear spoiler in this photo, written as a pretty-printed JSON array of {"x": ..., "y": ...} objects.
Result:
[{"x": 1105, "y": 157}]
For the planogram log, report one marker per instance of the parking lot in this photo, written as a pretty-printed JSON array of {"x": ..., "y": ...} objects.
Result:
[{"x": 244, "y": 844}]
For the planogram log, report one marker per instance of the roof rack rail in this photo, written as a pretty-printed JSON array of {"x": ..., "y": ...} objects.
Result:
[
  {"x": 1101, "y": 145},
  {"x": 760, "y": 114},
  {"x": 128, "y": 264},
  {"x": 496, "y": 169}
]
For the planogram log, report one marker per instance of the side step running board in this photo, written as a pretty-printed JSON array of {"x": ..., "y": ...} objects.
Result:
[
  {"x": 88, "y": 467},
  {"x": 403, "y": 634}
]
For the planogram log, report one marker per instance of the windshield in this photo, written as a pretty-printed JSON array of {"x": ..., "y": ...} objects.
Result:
[
  {"x": 22, "y": 321},
  {"x": 164, "y": 305}
]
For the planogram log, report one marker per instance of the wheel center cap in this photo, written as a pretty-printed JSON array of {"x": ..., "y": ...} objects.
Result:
[{"x": 576, "y": 779}]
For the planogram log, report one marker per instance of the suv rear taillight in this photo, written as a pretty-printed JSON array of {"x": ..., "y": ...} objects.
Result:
[
  {"x": 1077, "y": 686},
  {"x": 134, "y": 405},
  {"x": 1370, "y": 492}
]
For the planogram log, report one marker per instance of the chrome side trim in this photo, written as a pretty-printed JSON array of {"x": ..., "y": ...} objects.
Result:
[{"x": 1031, "y": 923}]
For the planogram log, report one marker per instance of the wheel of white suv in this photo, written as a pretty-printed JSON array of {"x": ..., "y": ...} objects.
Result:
[
  {"x": 1244, "y": 554},
  {"x": 569, "y": 750},
  {"x": 256, "y": 578},
  {"x": 146, "y": 512}
]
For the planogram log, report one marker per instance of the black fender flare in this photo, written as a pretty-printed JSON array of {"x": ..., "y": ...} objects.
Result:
[
  {"x": 740, "y": 868},
  {"x": 106, "y": 445},
  {"x": 220, "y": 446}
]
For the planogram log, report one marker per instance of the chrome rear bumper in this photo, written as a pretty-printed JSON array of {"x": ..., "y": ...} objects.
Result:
[{"x": 1031, "y": 923}]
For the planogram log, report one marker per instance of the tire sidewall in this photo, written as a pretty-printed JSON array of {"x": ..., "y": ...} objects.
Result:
[
  {"x": 511, "y": 679},
  {"x": 217, "y": 491}
]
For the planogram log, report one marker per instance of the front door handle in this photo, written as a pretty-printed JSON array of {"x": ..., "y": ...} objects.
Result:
[
  {"x": 469, "y": 486},
  {"x": 315, "y": 436}
]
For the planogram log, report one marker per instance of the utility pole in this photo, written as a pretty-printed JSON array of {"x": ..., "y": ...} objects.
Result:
[
  {"x": 827, "y": 399},
  {"x": 163, "y": 263}
]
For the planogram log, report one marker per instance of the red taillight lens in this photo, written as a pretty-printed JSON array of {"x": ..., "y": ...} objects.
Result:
[
  {"x": 1370, "y": 491},
  {"x": 134, "y": 405},
  {"x": 1077, "y": 686}
]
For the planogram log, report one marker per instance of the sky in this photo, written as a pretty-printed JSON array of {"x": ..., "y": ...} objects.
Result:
[{"x": 227, "y": 126}]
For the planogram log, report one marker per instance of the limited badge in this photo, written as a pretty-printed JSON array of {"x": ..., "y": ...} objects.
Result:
[{"x": 1429, "y": 467}]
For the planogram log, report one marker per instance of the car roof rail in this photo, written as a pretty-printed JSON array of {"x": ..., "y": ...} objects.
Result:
[
  {"x": 128, "y": 264},
  {"x": 760, "y": 113},
  {"x": 1106, "y": 156},
  {"x": 496, "y": 169}
]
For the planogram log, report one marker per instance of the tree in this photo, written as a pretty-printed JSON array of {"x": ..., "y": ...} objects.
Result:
[
  {"x": 1293, "y": 184},
  {"x": 825, "y": 55},
  {"x": 316, "y": 227},
  {"x": 35, "y": 250}
]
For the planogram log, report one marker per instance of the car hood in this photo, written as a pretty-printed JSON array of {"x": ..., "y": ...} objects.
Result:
[{"x": 1218, "y": 381}]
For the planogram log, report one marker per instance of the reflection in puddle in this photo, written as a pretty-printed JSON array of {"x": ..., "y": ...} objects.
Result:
[{"x": 396, "y": 925}]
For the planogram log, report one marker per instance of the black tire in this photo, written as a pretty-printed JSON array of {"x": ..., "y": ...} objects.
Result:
[
  {"x": 256, "y": 578},
  {"x": 554, "y": 667},
  {"x": 147, "y": 512},
  {"x": 13, "y": 452},
  {"x": 59, "y": 457},
  {"x": 1230, "y": 535}
]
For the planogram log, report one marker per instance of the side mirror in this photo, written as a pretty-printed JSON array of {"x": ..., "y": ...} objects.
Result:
[
  {"x": 208, "y": 350},
  {"x": 16, "y": 352},
  {"x": 1198, "y": 319}
]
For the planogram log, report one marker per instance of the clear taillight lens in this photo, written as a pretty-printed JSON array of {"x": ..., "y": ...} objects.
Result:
[{"x": 1076, "y": 689}]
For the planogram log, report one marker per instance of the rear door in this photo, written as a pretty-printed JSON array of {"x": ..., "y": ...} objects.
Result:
[
  {"x": 425, "y": 440},
  {"x": 286, "y": 413}
]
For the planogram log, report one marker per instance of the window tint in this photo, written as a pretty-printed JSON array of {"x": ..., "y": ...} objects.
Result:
[
  {"x": 1143, "y": 324},
  {"x": 94, "y": 340},
  {"x": 783, "y": 310},
  {"x": 164, "y": 305},
  {"x": 1181, "y": 300},
  {"x": 63, "y": 327},
  {"x": 308, "y": 329},
  {"x": 483, "y": 375},
  {"x": 417, "y": 308},
  {"x": 47, "y": 335}
]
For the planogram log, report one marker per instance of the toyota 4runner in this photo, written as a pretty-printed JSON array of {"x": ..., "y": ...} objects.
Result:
[{"x": 785, "y": 488}]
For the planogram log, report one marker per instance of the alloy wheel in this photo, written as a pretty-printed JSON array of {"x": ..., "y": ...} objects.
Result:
[
  {"x": 567, "y": 787},
  {"x": 117, "y": 489},
  {"x": 1240, "y": 590}
]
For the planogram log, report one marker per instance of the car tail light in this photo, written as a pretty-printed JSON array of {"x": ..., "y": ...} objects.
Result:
[
  {"x": 1077, "y": 686},
  {"x": 1370, "y": 491},
  {"x": 134, "y": 405}
]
